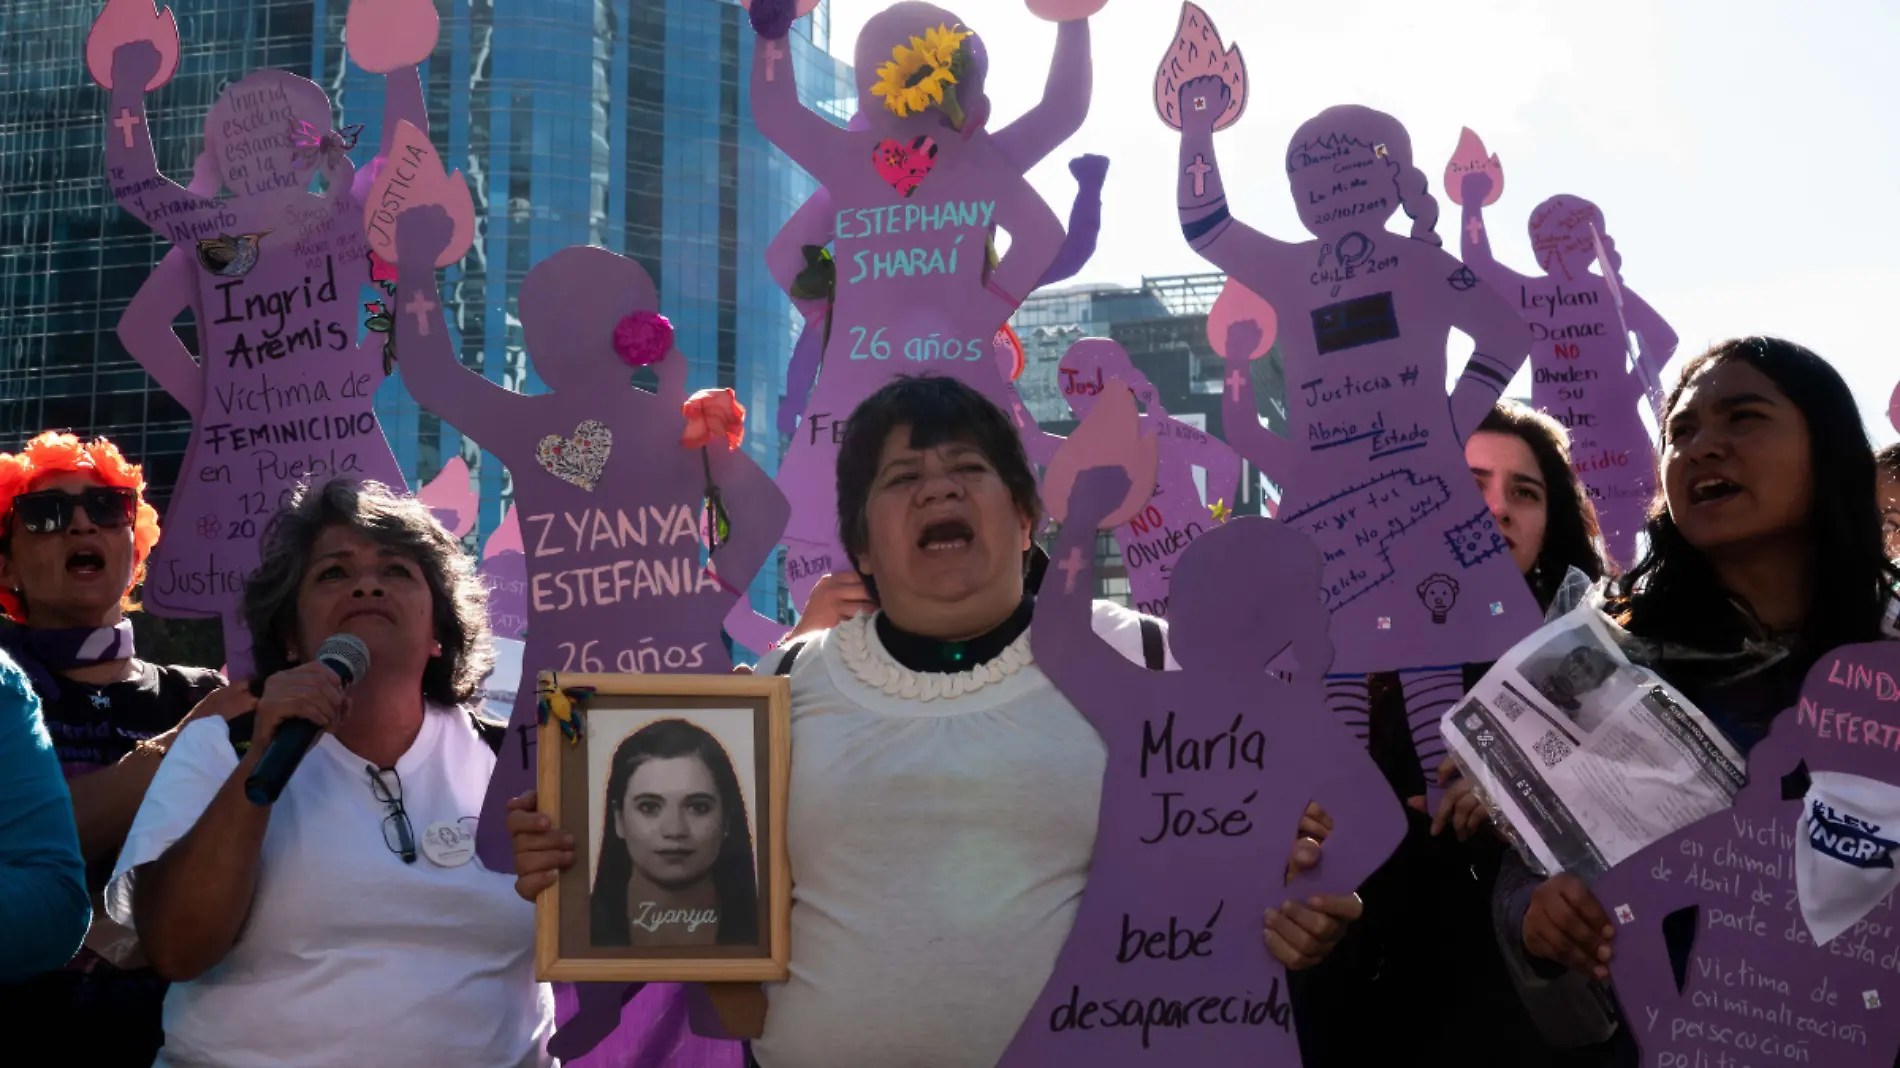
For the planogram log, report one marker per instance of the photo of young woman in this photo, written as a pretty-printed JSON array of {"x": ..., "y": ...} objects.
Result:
[{"x": 675, "y": 866}]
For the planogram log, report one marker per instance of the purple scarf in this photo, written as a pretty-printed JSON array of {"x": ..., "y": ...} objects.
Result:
[{"x": 44, "y": 653}]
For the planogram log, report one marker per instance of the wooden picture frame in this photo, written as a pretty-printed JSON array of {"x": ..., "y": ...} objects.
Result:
[{"x": 577, "y": 939}]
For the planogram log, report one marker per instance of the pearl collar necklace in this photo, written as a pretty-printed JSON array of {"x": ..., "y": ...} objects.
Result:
[{"x": 873, "y": 666}]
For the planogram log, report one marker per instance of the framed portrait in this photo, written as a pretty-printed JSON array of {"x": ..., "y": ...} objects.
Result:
[{"x": 675, "y": 792}]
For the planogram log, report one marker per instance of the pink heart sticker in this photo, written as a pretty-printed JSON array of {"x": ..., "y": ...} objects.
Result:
[{"x": 905, "y": 166}]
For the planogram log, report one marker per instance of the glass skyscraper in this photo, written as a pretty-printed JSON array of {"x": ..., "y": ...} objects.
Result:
[{"x": 620, "y": 123}]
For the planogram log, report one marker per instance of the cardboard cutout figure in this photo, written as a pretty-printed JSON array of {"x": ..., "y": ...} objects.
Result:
[
  {"x": 1579, "y": 354},
  {"x": 284, "y": 391},
  {"x": 1176, "y": 514},
  {"x": 916, "y": 197},
  {"x": 1790, "y": 894},
  {"x": 1209, "y": 769},
  {"x": 610, "y": 503},
  {"x": 611, "y": 509},
  {"x": 1375, "y": 471}
]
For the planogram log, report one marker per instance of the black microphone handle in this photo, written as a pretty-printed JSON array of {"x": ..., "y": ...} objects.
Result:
[{"x": 287, "y": 747}]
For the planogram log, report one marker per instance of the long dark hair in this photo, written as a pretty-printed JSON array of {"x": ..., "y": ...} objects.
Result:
[
  {"x": 1571, "y": 535},
  {"x": 1672, "y": 593},
  {"x": 734, "y": 874}
]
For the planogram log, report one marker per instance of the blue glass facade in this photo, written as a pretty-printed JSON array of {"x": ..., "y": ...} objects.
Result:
[{"x": 619, "y": 123}]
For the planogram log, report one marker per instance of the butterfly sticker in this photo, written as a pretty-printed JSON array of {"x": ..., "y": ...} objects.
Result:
[
  {"x": 231, "y": 257},
  {"x": 311, "y": 143}
]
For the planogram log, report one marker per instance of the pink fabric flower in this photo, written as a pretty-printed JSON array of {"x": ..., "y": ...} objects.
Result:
[
  {"x": 643, "y": 338},
  {"x": 712, "y": 414}
]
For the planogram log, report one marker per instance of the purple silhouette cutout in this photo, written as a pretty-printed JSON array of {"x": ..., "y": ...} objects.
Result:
[
  {"x": 609, "y": 505},
  {"x": 1579, "y": 357},
  {"x": 1209, "y": 769},
  {"x": 1756, "y": 987},
  {"x": 1176, "y": 515},
  {"x": 914, "y": 203},
  {"x": 284, "y": 391},
  {"x": 1376, "y": 471}
]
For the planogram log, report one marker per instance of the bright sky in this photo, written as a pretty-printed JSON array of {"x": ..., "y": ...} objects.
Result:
[{"x": 1704, "y": 129}]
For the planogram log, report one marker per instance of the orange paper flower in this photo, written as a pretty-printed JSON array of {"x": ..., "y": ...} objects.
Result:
[{"x": 710, "y": 415}]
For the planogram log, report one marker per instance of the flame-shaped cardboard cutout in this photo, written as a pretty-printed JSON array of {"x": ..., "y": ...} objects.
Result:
[
  {"x": 387, "y": 35},
  {"x": 125, "y": 21},
  {"x": 451, "y": 497},
  {"x": 1469, "y": 158},
  {"x": 1109, "y": 437},
  {"x": 1065, "y": 10},
  {"x": 1793, "y": 841},
  {"x": 1241, "y": 326},
  {"x": 1188, "y": 855},
  {"x": 1198, "y": 51},
  {"x": 413, "y": 177}
]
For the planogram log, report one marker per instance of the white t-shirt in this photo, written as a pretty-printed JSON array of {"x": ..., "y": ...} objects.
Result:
[
  {"x": 350, "y": 956},
  {"x": 938, "y": 850}
]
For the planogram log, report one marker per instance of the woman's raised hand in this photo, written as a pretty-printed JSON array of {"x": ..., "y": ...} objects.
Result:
[{"x": 542, "y": 852}]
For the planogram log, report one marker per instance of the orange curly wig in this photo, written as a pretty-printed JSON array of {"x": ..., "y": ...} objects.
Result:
[{"x": 53, "y": 453}]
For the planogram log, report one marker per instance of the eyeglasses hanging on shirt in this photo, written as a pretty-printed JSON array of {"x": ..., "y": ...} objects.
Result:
[{"x": 398, "y": 833}]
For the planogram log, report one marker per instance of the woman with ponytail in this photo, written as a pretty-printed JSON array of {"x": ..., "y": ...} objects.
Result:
[
  {"x": 1418, "y": 577},
  {"x": 1578, "y": 353}
]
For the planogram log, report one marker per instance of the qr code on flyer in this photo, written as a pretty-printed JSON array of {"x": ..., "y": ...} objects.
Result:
[{"x": 1552, "y": 749}]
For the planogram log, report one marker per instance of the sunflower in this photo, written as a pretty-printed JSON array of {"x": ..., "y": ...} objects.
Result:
[{"x": 917, "y": 76}]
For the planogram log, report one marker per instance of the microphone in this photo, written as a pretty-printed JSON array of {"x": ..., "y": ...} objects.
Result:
[{"x": 348, "y": 659}]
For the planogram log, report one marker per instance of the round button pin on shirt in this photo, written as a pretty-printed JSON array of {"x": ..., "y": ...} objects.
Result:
[{"x": 448, "y": 845}]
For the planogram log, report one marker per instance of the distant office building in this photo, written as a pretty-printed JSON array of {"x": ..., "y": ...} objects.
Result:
[
  {"x": 620, "y": 123},
  {"x": 1162, "y": 323}
]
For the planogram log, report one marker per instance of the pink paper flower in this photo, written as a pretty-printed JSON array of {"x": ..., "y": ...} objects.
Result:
[
  {"x": 713, "y": 414},
  {"x": 643, "y": 338}
]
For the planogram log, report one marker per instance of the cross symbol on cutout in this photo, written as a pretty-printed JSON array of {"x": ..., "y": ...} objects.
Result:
[
  {"x": 126, "y": 122},
  {"x": 1475, "y": 227},
  {"x": 420, "y": 306},
  {"x": 1071, "y": 566},
  {"x": 1199, "y": 169},
  {"x": 773, "y": 53},
  {"x": 1233, "y": 382}
]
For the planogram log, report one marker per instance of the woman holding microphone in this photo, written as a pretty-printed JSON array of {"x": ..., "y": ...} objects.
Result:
[{"x": 348, "y": 922}]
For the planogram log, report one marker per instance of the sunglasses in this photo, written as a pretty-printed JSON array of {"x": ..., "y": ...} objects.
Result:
[{"x": 51, "y": 511}]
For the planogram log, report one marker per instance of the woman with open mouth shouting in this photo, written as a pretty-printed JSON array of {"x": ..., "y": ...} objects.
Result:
[
  {"x": 945, "y": 794},
  {"x": 74, "y": 534},
  {"x": 1765, "y": 551}
]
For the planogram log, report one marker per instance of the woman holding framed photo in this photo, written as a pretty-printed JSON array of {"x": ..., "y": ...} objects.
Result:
[{"x": 945, "y": 794}]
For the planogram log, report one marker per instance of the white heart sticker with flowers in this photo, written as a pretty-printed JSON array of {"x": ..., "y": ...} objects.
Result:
[{"x": 579, "y": 459}]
